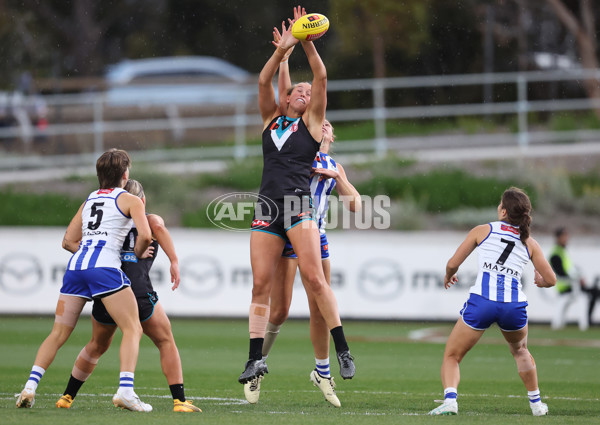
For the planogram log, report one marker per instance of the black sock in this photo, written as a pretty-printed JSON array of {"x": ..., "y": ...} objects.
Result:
[
  {"x": 339, "y": 339},
  {"x": 73, "y": 386},
  {"x": 256, "y": 345},
  {"x": 177, "y": 392}
]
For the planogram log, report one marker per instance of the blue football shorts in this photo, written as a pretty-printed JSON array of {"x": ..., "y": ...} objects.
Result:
[
  {"x": 288, "y": 250},
  {"x": 480, "y": 313},
  {"x": 98, "y": 282}
]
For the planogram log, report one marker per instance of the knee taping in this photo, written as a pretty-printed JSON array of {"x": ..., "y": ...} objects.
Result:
[
  {"x": 68, "y": 310},
  {"x": 84, "y": 365},
  {"x": 257, "y": 320}
]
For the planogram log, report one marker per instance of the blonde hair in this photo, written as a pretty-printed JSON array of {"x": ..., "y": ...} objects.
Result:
[
  {"x": 135, "y": 188},
  {"x": 332, "y": 129}
]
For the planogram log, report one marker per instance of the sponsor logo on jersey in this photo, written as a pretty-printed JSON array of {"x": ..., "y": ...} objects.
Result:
[
  {"x": 104, "y": 191},
  {"x": 305, "y": 214},
  {"x": 95, "y": 233},
  {"x": 129, "y": 257},
  {"x": 260, "y": 223},
  {"x": 510, "y": 229},
  {"x": 500, "y": 269}
]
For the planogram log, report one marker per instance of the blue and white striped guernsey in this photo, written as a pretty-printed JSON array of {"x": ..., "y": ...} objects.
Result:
[
  {"x": 320, "y": 188},
  {"x": 502, "y": 257},
  {"x": 104, "y": 228}
]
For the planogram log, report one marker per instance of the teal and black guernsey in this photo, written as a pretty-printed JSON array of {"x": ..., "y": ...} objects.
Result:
[
  {"x": 137, "y": 269},
  {"x": 288, "y": 154}
]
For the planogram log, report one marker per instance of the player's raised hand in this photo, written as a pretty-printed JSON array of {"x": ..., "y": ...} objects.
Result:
[
  {"x": 277, "y": 40},
  {"x": 285, "y": 39},
  {"x": 298, "y": 13}
]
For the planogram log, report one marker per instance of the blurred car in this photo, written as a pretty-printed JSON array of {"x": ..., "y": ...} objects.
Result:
[{"x": 187, "y": 80}]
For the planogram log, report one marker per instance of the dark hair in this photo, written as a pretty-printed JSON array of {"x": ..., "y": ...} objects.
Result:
[
  {"x": 135, "y": 188},
  {"x": 560, "y": 231},
  {"x": 111, "y": 166},
  {"x": 518, "y": 208}
]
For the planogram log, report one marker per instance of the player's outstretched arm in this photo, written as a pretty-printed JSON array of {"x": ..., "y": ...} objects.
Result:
[
  {"x": 315, "y": 112},
  {"x": 284, "y": 81},
  {"x": 266, "y": 95},
  {"x": 162, "y": 235}
]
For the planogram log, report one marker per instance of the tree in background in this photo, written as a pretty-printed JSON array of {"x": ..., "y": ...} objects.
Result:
[
  {"x": 583, "y": 28},
  {"x": 367, "y": 38},
  {"x": 67, "y": 38},
  {"x": 379, "y": 26},
  {"x": 73, "y": 38}
]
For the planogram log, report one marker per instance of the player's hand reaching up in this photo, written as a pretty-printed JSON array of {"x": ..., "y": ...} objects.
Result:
[
  {"x": 298, "y": 13},
  {"x": 285, "y": 39}
]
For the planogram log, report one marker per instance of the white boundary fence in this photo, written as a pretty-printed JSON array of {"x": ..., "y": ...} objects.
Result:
[
  {"x": 375, "y": 274},
  {"x": 379, "y": 113}
]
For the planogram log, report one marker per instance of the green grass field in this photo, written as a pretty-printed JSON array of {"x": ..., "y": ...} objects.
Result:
[{"x": 397, "y": 377}]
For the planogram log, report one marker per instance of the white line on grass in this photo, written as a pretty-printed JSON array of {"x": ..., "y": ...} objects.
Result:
[
  {"x": 225, "y": 400},
  {"x": 439, "y": 335},
  {"x": 238, "y": 401}
]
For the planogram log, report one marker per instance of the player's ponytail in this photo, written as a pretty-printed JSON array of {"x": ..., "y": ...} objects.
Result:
[{"x": 518, "y": 208}]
